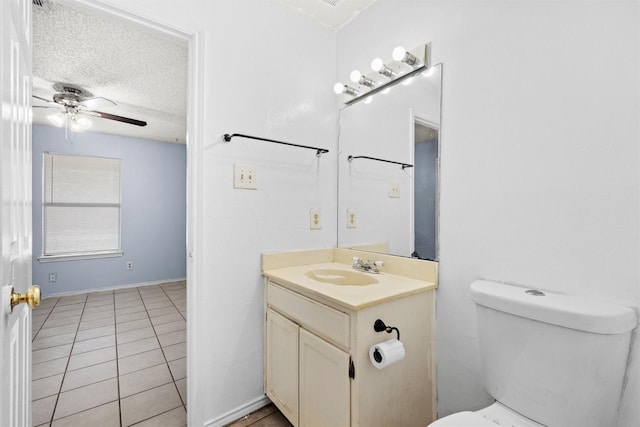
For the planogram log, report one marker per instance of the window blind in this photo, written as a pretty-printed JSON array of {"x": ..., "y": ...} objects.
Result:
[{"x": 81, "y": 205}]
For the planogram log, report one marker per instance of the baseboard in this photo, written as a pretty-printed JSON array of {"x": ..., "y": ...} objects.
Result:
[
  {"x": 238, "y": 413},
  {"x": 112, "y": 288}
]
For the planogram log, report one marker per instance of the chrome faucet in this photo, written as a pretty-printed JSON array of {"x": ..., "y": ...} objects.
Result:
[{"x": 366, "y": 266}]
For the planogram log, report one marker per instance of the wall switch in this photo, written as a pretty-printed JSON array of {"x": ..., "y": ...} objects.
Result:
[
  {"x": 244, "y": 177},
  {"x": 351, "y": 218},
  {"x": 129, "y": 265},
  {"x": 394, "y": 190},
  {"x": 53, "y": 277},
  {"x": 315, "y": 219}
]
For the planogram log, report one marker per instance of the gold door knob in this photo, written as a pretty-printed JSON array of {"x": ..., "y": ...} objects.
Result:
[{"x": 31, "y": 297}]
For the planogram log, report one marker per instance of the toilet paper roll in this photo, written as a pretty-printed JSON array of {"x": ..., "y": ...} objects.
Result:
[{"x": 386, "y": 353}]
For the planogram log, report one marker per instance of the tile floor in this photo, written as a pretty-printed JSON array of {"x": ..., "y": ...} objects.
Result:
[
  {"x": 269, "y": 416},
  {"x": 113, "y": 358}
]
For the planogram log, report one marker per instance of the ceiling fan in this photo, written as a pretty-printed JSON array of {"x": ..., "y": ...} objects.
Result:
[{"x": 73, "y": 101}]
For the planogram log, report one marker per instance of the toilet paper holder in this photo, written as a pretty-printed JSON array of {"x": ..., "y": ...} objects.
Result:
[{"x": 379, "y": 326}]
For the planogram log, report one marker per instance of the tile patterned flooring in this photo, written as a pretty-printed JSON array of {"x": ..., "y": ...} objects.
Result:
[{"x": 114, "y": 358}]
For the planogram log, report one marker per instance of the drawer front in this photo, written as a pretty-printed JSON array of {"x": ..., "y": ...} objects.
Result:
[{"x": 324, "y": 321}]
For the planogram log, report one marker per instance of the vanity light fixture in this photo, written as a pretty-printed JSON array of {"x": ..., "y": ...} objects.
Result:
[
  {"x": 405, "y": 64},
  {"x": 339, "y": 88},
  {"x": 379, "y": 66}
]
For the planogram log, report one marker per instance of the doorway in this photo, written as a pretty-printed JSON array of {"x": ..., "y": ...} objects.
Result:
[
  {"x": 426, "y": 154},
  {"x": 91, "y": 354}
]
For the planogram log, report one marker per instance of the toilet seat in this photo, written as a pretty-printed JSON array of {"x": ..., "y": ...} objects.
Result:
[
  {"x": 463, "y": 419},
  {"x": 493, "y": 415}
]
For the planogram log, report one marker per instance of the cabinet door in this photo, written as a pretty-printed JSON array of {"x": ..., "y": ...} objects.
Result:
[
  {"x": 281, "y": 364},
  {"x": 325, "y": 388}
]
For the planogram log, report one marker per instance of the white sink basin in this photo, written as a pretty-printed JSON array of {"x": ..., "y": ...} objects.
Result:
[{"x": 342, "y": 277}]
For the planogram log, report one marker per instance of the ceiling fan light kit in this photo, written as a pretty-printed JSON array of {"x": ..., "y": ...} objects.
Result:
[{"x": 75, "y": 123}]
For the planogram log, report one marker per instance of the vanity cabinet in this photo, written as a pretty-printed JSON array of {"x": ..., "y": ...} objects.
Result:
[
  {"x": 317, "y": 367},
  {"x": 306, "y": 376}
]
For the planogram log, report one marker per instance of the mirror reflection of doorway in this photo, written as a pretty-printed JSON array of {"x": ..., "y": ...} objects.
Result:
[{"x": 426, "y": 136}]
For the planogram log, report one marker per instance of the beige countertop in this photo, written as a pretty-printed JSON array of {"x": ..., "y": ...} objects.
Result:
[{"x": 388, "y": 286}]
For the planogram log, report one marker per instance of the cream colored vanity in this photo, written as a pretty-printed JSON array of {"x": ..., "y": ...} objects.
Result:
[{"x": 319, "y": 330}]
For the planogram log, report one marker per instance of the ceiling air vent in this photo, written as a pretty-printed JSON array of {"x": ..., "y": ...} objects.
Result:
[
  {"x": 333, "y": 3},
  {"x": 42, "y": 4}
]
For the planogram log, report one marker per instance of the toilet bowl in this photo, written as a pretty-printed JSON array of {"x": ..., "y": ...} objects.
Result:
[{"x": 548, "y": 359}]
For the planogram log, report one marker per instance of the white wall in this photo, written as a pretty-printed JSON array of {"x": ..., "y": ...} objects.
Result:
[
  {"x": 540, "y": 155},
  {"x": 268, "y": 71}
]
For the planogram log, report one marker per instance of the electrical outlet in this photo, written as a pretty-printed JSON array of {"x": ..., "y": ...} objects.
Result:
[
  {"x": 53, "y": 277},
  {"x": 394, "y": 190},
  {"x": 315, "y": 219},
  {"x": 244, "y": 177},
  {"x": 129, "y": 265},
  {"x": 351, "y": 218}
]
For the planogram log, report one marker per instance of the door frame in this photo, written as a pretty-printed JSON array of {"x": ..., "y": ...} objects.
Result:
[{"x": 194, "y": 142}]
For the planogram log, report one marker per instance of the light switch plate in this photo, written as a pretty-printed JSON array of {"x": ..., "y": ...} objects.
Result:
[
  {"x": 394, "y": 190},
  {"x": 351, "y": 218},
  {"x": 244, "y": 177},
  {"x": 315, "y": 219}
]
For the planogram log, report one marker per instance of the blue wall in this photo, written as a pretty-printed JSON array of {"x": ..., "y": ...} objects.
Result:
[{"x": 153, "y": 229}]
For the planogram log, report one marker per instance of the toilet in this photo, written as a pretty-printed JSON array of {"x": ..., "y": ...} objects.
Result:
[{"x": 548, "y": 359}]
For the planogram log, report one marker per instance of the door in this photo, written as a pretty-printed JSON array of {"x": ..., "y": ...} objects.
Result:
[
  {"x": 325, "y": 387},
  {"x": 281, "y": 364},
  {"x": 15, "y": 210}
]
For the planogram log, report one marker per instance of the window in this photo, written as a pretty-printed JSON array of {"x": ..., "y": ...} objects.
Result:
[{"x": 81, "y": 207}]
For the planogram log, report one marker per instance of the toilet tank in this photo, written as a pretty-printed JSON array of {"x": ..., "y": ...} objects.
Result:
[{"x": 559, "y": 360}]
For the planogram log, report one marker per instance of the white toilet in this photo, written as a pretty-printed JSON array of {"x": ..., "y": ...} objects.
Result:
[{"x": 548, "y": 359}]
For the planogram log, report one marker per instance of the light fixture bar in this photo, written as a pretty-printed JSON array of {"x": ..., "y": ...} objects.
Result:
[
  {"x": 405, "y": 64},
  {"x": 387, "y": 85}
]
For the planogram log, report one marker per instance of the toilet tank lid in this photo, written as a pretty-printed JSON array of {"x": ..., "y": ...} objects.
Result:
[{"x": 569, "y": 311}]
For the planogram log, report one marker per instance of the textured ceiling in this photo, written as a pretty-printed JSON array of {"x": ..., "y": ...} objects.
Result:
[{"x": 144, "y": 73}]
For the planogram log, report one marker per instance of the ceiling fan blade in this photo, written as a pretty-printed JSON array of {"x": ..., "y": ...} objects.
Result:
[
  {"x": 117, "y": 118},
  {"x": 44, "y": 99},
  {"x": 97, "y": 102},
  {"x": 46, "y": 106}
]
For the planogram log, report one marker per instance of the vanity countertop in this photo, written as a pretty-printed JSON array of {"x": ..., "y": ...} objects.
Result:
[{"x": 388, "y": 287}]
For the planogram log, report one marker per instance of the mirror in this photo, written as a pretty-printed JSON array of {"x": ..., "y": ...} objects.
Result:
[{"x": 384, "y": 206}]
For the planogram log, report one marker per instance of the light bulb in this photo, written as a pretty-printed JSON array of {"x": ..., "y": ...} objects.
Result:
[
  {"x": 80, "y": 124},
  {"x": 355, "y": 76},
  {"x": 57, "y": 119},
  {"x": 380, "y": 67},
  {"x": 399, "y": 53},
  {"x": 407, "y": 82},
  {"x": 368, "y": 99},
  {"x": 377, "y": 65},
  {"x": 338, "y": 88}
]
